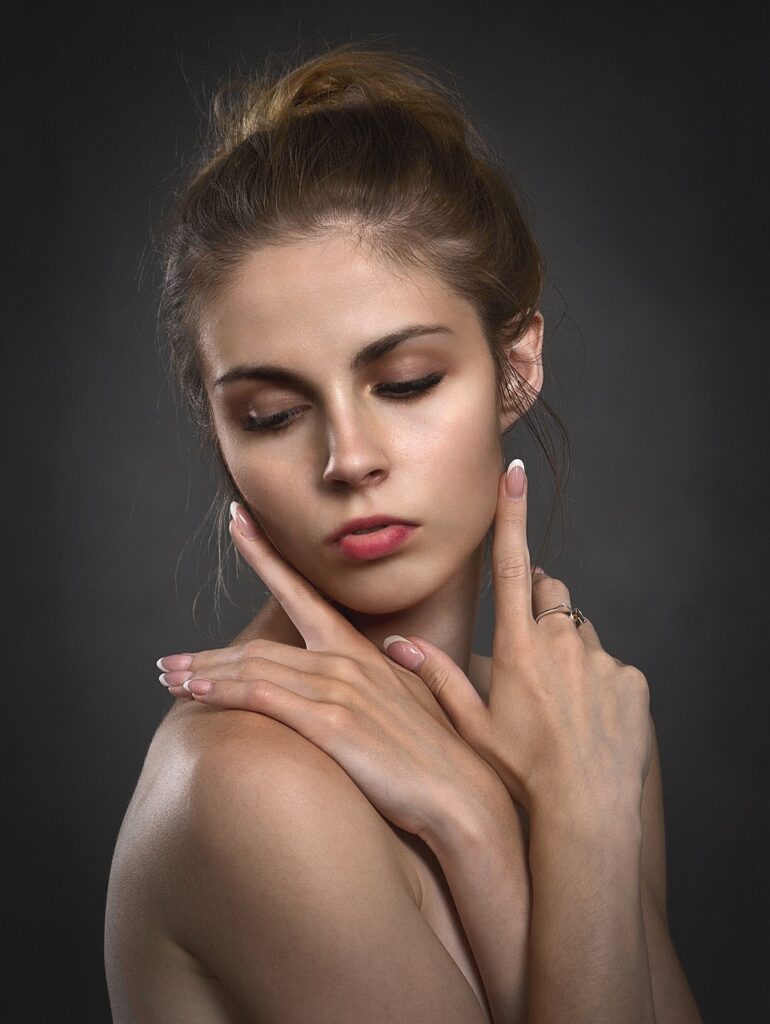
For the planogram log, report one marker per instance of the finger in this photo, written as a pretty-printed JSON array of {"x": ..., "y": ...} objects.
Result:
[
  {"x": 309, "y": 717},
  {"x": 449, "y": 685},
  {"x": 294, "y": 657},
  {"x": 288, "y": 665},
  {"x": 321, "y": 626},
  {"x": 255, "y": 674},
  {"x": 547, "y": 592},
  {"x": 177, "y": 691},
  {"x": 511, "y": 571},
  {"x": 589, "y": 636}
]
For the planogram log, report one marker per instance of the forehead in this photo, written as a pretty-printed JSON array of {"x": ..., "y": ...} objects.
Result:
[{"x": 323, "y": 293}]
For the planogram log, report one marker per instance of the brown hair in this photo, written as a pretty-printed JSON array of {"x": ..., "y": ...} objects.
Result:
[{"x": 371, "y": 142}]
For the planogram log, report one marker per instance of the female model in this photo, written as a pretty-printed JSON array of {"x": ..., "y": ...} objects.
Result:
[{"x": 348, "y": 816}]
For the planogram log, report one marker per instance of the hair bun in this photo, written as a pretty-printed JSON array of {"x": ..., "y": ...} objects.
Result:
[{"x": 349, "y": 75}]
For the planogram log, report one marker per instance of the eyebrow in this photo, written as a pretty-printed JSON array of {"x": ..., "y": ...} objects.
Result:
[{"x": 367, "y": 355}]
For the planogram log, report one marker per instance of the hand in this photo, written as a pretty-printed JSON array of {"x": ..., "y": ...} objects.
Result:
[
  {"x": 377, "y": 720},
  {"x": 565, "y": 721}
]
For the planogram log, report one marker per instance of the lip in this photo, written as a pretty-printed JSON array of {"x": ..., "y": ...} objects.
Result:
[
  {"x": 365, "y": 546},
  {"x": 362, "y": 523}
]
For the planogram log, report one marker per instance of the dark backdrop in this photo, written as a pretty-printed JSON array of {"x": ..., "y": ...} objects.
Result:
[{"x": 638, "y": 134}]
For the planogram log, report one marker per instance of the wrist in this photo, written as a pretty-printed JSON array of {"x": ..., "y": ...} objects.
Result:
[
  {"x": 588, "y": 805},
  {"x": 602, "y": 818},
  {"x": 471, "y": 819}
]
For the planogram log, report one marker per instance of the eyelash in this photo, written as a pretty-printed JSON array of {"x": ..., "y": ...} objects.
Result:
[{"x": 404, "y": 390}]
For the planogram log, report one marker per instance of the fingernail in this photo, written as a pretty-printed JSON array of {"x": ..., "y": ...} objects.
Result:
[
  {"x": 514, "y": 479},
  {"x": 179, "y": 678},
  {"x": 242, "y": 522},
  {"x": 174, "y": 662},
  {"x": 197, "y": 686},
  {"x": 404, "y": 653},
  {"x": 539, "y": 571}
]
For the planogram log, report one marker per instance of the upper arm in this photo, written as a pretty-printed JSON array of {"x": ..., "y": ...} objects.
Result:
[
  {"x": 301, "y": 906},
  {"x": 674, "y": 1002}
]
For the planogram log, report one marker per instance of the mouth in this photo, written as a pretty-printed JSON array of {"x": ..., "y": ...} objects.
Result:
[
  {"x": 367, "y": 524},
  {"x": 373, "y": 537}
]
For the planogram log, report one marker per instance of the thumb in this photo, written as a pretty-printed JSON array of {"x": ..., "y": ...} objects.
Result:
[{"x": 451, "y": 688}]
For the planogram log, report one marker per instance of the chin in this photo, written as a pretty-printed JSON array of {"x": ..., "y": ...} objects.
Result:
[
  {"x": 373, "y": 597},
  {"x": 384, "y": 587},
  {"x": 375, "y": 606}
]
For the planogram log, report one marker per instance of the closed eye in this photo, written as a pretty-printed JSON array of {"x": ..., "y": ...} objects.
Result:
[{"x": 398, "y": 390}]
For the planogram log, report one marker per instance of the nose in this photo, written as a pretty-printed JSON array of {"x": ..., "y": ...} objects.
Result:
[{"x": 356, "y": 455}]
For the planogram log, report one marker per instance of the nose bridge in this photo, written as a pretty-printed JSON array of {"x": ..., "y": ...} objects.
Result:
[{"x": 353, "y": 443}]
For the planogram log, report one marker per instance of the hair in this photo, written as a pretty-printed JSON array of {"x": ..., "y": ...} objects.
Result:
[{"x": 361, "y": 140}]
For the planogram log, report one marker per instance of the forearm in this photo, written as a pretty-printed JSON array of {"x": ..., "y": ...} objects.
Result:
[
  {"x": 588, "y": 954},
  {"x": 582, "y": 955},
  {"x": 482, "y": 853}
]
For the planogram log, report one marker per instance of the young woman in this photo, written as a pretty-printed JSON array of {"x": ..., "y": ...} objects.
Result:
[{"x": 348, "y": 815}]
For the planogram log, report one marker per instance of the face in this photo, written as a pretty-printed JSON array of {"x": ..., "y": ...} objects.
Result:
[{"x": 319, "y": 438}]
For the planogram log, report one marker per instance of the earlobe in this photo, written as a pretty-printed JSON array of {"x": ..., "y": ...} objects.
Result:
[{"x": 525, "y": 357}]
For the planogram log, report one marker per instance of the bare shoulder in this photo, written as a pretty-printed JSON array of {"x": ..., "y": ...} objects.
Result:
[
  {"x": 264, "y": 862},
  {"x": 250, "y": 769}
]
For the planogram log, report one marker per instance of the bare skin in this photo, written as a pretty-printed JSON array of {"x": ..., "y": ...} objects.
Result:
[
  {"x": 160, "y": 967},
  {"x": 252, "y": 870}
]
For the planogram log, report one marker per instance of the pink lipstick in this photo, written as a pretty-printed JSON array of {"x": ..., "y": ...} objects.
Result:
[{"x": 376, "y": 536}]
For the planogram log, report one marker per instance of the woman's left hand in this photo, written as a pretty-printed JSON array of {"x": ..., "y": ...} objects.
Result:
[{"x": 378, "y": 721}]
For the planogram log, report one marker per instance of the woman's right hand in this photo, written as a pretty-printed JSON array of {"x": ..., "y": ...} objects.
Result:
[{"x": 566, "y": 722}]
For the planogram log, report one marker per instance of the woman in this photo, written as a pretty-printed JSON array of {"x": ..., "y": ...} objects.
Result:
[{"x": 348, "y": 815}]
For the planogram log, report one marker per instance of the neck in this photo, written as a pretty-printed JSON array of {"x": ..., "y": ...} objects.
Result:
[{"x": 447, "y": 618}]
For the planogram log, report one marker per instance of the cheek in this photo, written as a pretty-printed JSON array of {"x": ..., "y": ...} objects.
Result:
[
  {"x": 463, "y": 456},
  {"x": 270, "y": 487}
]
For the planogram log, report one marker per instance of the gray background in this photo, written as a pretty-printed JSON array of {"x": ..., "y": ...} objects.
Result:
[{"x": 638, "y": 134}]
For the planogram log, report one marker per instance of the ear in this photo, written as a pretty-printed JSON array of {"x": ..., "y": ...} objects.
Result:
[{"x": 525, "y": 356}]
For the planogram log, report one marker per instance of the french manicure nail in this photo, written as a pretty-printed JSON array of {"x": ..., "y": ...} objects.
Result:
[
  {"x": 409, "y": 656},
  {"x": 174, "y": 662},
  {"x": 179, "y": 679},
  {"x": 199, "y": 686},
  {"x": 245, "y": 527},
  {"x": 514, "y": 479}
]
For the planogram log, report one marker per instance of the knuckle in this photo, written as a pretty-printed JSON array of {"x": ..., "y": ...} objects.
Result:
[
  {"x": 635, "y": 678},
  {"x": 248, "y": 668},
  {"x": 255, "y": 649},
  {"x": 437, "y": 681},
  {"x": 258, "y": 694},
  {"x": 338, "y": 717},
  {"x": 603, "y": 659},
  {"x": 343, "y": 667},
  {"x": 512, "y": 567},
  {"x": 337, "y": 691}
]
